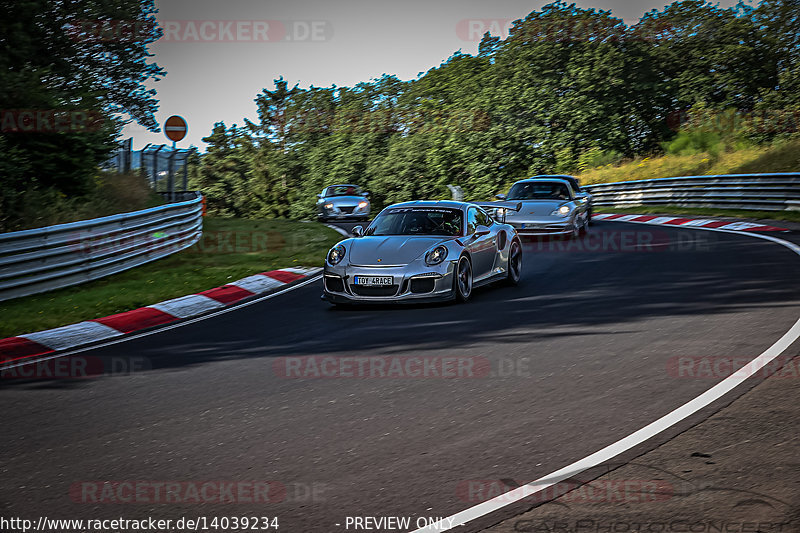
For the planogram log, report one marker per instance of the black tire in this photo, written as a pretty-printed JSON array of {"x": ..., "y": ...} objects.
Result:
[
  {"x": 462, "y": 279},
  {"x": 577, "y": 231},
  {"x": 514, "y": 263},
  {"x": 589, "y": 219}
]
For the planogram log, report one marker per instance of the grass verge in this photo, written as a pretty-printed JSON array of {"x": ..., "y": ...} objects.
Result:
[
  {"x": 789, "y": 216},
  {"x": 231, "y": 249},
  {"x": 782, "y": 156}
]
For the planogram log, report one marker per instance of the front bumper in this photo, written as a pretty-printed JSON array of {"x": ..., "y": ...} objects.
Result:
[
  {"x": 411, "y": 285},
  {"x": 543, "y": 225},
  {"x": 343, "y": 214}
]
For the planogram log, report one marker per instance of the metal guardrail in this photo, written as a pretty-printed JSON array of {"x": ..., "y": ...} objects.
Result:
[
  {"x": 763, "y": 192},
  {"x": 42, "y": 259}
]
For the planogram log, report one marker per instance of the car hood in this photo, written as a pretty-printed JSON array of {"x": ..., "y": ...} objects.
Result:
[
  {"x": 537, "y": 208},
  {"x": 391, "y": 249},
  {"x": 344, "y": 200}
]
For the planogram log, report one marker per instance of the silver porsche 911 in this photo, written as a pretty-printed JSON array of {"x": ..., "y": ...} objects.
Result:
[
  {"x": 549, "y": 207},
  {"x": 423, "y": 250},
  {"x": 343, "y": 202}
]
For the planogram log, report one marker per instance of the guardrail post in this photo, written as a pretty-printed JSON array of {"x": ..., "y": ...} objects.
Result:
[
  {"x": 456, "y": 192},
  {"x": 155, "y": 167}
]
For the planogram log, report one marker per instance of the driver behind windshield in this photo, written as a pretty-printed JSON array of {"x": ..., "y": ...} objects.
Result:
[
  {"x": 539, "y": 191},
  {"x": 417, "y": 222}
]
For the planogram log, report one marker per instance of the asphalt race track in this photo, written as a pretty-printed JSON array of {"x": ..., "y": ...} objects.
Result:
[{"x": 578, "y": 356}]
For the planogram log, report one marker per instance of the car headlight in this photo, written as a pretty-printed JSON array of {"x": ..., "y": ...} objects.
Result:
[
  {"x": 328, "y": 206},
  {"x": 336, "y": 255},
  {"x": 436, "y": 256},
  {"x": 562, "y": 211},
  {"x": 362, "y": 205}
]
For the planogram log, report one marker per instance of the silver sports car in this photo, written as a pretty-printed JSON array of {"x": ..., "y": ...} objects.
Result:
[
  {"x": 343, "y": 202},
  {"x": 580, "y": 194},
  {"x": 423, "y": 250},
  {"x": 549, "y": 207}
]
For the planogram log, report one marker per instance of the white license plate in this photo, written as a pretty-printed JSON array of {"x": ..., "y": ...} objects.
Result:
[{"x": 374, "y": 280}]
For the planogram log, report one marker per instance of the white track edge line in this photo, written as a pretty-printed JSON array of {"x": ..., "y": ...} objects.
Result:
[
  {"x": 639, "y": 436},
  {"x": 338, "y": 229},
  {"x": 72, "y": 351}
]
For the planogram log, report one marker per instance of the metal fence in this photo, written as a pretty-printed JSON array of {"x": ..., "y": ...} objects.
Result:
[
  {"x": 38, "y": 260},
  {"x": 763, "y": 192},
  {"x": 166, "y": 168}
]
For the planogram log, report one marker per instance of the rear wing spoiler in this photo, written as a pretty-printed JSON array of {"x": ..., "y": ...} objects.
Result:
[{"x": 498, "y": 210}]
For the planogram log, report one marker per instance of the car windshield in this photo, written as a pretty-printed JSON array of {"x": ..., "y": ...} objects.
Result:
[
  {"x": 342, "y": 190},
  {"x": 573, "y": 181},
  {"x": 539, "y": 191},
  {"x": 417, "y": 221}
]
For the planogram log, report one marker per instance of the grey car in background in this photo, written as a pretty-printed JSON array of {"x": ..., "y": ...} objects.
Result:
[
  {"x": 549, "y": 207},
  {"x": 580, "y": 194},
  {"x": 423, "y": 250},
  {"x": 343, "y": 202}
]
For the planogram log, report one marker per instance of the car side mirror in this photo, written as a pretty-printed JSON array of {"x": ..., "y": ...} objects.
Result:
[
  {"x": 366, "y": 195},
  {"x": 358, "y": 231},
  {"x": 480, "y": 231},
  {"x": 319, "y": 196},
  {"x": 501, "y": 196}
]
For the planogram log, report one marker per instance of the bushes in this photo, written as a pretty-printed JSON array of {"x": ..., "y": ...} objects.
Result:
[
  {"x": 694, "y": 142},
  {"x": 109, "y": 193}
]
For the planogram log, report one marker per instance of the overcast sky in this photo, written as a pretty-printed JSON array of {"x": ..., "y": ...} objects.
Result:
[{"x": 220, "y": 54}]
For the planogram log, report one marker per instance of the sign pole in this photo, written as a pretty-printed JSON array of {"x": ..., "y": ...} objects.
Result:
[
  {"x": 171, "y": 179},
  {"x": 175, "y": 129}
]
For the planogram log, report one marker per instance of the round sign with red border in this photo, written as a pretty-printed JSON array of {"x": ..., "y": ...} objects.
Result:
[{"x": 175, "y": 128}]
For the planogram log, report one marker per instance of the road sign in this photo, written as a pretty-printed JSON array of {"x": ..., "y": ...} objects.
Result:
[{"x": 175, "y": 128}]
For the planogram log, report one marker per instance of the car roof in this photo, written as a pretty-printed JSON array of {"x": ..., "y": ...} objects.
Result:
[
  {"x": 544, "y": 178},
  {"x": 452, "y": 204}
]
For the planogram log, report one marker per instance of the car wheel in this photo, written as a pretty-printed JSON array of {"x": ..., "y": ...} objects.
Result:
[
  {"x": 462, "y": 284},
  {"x": 576, "y": 229},
  {"x": 514, "y": 263},
  {"x": 585, "y": 226}
]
